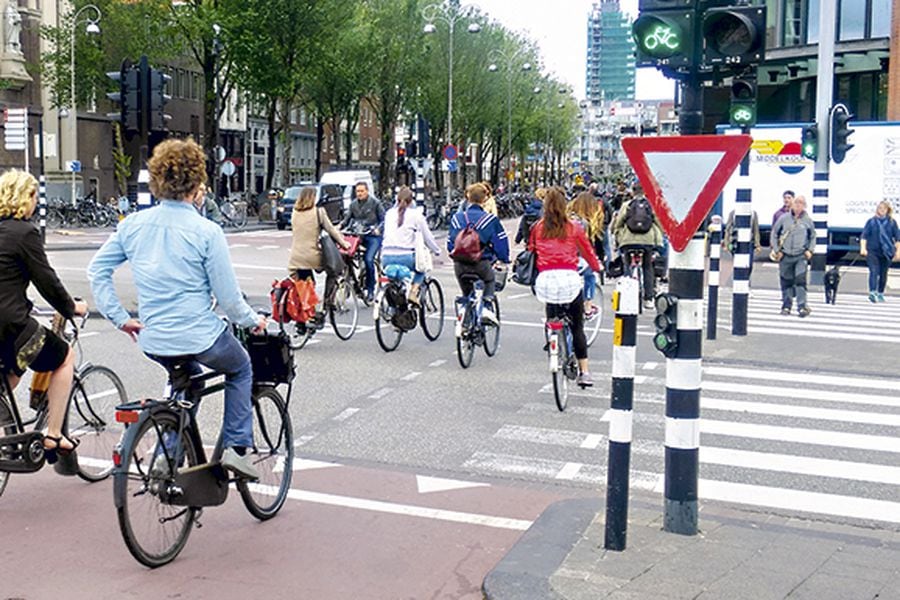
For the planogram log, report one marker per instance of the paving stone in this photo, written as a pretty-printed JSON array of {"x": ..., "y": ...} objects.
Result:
[
  {"x": 706, "y": 564},
  {"x": 822, "y": 586},
  {"x": 579, "y": 589},
  {"x": 745, "y": 537},
  {"x": 844, "y": 564},
  {"x": 793, "y": 557},
  {"x": 752, "y": 584},
  {"x": 881, "y": 557}
]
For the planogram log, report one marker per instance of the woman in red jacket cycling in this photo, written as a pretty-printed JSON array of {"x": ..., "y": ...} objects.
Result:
[{"x": 558, "y": 243}]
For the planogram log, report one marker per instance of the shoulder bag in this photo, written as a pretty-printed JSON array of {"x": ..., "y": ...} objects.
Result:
[
  {"x": 331, "y": 256},
  {"x": 525, "y": 268}
]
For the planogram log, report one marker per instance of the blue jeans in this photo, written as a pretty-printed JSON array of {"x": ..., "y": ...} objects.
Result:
[
  {"x": 373, "y": 245},
  {"x": 408, "y": 260},
  {"x": 590, "y": 279},
  {"x": 878, "y": 269},
  {"x": 228, "y": 356}
]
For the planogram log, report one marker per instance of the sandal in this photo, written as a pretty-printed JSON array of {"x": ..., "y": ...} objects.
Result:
[{"x": 52, "y": 454}]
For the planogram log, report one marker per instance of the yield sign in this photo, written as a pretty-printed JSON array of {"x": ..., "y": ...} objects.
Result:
[{"x": 683, "y": 176}]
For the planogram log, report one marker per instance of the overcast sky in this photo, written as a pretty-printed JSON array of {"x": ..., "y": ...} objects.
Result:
[{"x": 560, "y": 29}]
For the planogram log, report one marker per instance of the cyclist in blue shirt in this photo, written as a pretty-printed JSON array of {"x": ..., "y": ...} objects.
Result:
[
  {"x": 179, "y": 261},
  {"x": 494, "y": 244}
]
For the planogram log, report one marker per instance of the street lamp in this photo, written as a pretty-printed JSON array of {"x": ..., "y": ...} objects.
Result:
[
  {"x": 509, "y": 60},
  {"x": 92, "y": 29},
  {"x": 448, "y": 13}
]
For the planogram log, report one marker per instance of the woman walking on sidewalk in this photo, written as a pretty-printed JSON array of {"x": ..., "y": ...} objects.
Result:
[{"x": 880, "y": 243}]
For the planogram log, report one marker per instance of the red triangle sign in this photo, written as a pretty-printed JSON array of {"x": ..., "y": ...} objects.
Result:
[{"x": 683, "y": 176}]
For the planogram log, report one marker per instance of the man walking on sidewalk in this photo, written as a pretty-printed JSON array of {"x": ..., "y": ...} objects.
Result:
[{"x": 793, "y": 242}]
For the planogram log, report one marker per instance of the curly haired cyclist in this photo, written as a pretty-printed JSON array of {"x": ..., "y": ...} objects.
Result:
[{"x": 178, "y": 260}]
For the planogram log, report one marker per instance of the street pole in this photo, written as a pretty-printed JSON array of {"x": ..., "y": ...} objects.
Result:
[
  {"x": 742, "y": 252},
  {"x": 715, "y": 256},
  {"x": 824, "y": 99},
  {"x": 92, "y": 28}
]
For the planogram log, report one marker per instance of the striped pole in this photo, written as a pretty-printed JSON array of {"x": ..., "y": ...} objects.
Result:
[
  {"x": 144, "y": 199},
  {"x": 420, "y": 184},
  {"x": 626, "y": 301},
  {"x": 715, "y": 255},
  {"x": 820, "y": 219},
  {"x": 742, "y": 253},
  {"x": 42, "y": 206},
  {"x": 683, "y": 391}
]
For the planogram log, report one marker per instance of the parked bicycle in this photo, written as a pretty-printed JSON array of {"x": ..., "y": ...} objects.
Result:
[
  {"x": 234, "y": 213},
  {"x": 395, "y": 315},
  {"x": 96, "y": 390},
  {"x": 163, "y": 478},
  {"x": 471, "y": 329}
]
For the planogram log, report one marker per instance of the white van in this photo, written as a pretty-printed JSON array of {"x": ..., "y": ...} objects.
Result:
[{"x": 348, "y": 180}]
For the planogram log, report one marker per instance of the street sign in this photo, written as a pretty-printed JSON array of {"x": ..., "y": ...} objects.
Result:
[
  {"x": 683, "y": 176},
  {"x": 450, "y": 152},
  {"x": 228, "y": 168},
  {"x": 452, "y": 166},
  {"x": 15, "y": 128},
  {"x": 73, "y": 166}
]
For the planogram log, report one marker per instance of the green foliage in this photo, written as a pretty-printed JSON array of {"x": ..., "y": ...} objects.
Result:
[{"x": 121, "y": 161}]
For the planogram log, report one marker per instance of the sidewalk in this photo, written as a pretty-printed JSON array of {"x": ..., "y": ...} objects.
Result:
[
  {"x": 92, "y": 238},
  {"x": 738, "y": 554}
]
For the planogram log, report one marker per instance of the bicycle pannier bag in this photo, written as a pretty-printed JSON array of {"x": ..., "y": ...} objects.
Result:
[
  {"x": 271, "y": 358},
  {"x": 639, "y": 216},
  {"x": 467, "y": 245},
  {"x": 525, "y": 268}
]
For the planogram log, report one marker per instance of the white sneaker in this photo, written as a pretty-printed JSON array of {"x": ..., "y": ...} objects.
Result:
[
  {"x": 489, "y": 316},
  {"x": 239, "y": 465},
  {"x": 649, "y": 304}
]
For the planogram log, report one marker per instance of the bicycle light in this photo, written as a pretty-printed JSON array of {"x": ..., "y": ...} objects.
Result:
[{"x": 666, "y": 337}]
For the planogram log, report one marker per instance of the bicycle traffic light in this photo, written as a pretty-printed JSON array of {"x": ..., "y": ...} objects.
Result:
[
  {"x": 809, "y": 144},
  {"x": 734, "y": 35},
  {"x": 664, "y": 33},
  {"x": 128, "y": 97},
  {"x": 666, "y": 337},
  {"x": 840, "y": 131},
  {"x": 157, "y": 119},
  {"x": 743, "y": 101}
]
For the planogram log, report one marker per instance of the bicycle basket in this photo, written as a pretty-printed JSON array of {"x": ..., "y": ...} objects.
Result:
[
  {"x": 271, "y": 357},
  {"x": 500, "y": 276}
]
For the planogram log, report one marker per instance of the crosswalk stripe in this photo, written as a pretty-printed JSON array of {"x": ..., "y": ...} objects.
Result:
[
  {"x": 802, "y": 412},
  {"x": 819, "y": 437},
  {"x": 800, "y": 377},
  {"x": 822, "y": 334},
  {"x": 804, "y": 393}
]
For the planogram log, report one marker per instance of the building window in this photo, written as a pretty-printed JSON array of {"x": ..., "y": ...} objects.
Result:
[
  {"x": 852, "y": 22},
  {"x": 880, "y": 18}
]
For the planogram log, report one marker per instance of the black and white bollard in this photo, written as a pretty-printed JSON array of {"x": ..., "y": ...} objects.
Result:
[
  {"x": 626, "y": 301},
  {"x": 820, "y": 220},
  {"x": 144, "y": 198},
  {"x": 742, "y": 253},
  {"x": 715, "y": 256},
  {"x": 42, "y": 206},
  {"x": 420, "y": 185},
  {"x": 683, "y": 376}
]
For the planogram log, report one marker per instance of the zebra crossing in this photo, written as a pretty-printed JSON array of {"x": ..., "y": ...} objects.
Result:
[
  {"x": 807, "y": 442},
  {"x": 853, "y": 318}
]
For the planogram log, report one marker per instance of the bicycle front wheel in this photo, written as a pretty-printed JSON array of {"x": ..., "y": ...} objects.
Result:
[
  {"x": 298, "y": 334},
  {"x": 154, "y": 530},
  {"x": 560, "y": 380},
  {"x": 431, "y": 310},
  {"x": 6, "y": 428},
  {"x": 388, "y": 335},
  {"x": 592, "y": 324},
  {"x": 344, "y": 310},
  {"x": 492, "y": 330},
  {"x": 272, "y": 454},
  {"x": 91, "y": 418},
  {"x": 465, "y": 344}
]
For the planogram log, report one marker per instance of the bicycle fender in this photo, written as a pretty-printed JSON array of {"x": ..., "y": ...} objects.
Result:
[{"x": 119, "y": 472}]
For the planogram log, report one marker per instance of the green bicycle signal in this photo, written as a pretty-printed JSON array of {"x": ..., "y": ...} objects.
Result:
[
  {"x": 742, "y": 115},
  {"x": 663, "y": 38},
  {"x": 659, "y": 37}
]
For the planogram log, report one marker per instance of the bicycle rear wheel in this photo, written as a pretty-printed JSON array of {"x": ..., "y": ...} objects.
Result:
[
  {"x": 91, "y": 418},
  {"x": 465, "y": 344},
  {"x": 491, "y": 330},
  {"x": 298, "y": 334},
  {"x": 388, "y": 335},
  {"x": 6, "y": 428},
  {"x": 592, "y": 325},
  {"x": 344, "y": 311},
  {"x": 272, "y": 455},
  {"x": 431, "y": 311},
  {"x": 154, "y": 530},
  {"x": 560, "y": 381}
]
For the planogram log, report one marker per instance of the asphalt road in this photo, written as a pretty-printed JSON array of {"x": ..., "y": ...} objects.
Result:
[{"x": 800, "y": 418}]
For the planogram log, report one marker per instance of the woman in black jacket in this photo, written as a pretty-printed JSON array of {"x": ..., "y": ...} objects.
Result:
[{"x": 24, "y": 343}]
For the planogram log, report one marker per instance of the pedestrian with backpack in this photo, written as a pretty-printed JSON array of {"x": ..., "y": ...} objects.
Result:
[
  {"x": 534, "y": 210},
  {"x": 636, "y": 228},
  {"x": 476, "y": 241}
]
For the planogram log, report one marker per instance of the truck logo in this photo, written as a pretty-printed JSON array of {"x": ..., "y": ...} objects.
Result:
[{"x": 787, "y": 156}]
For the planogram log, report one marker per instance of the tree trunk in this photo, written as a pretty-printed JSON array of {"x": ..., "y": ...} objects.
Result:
[
  {"x": 287, "y": 146},
  {"x": 270, "y": 139},
  {"x": 336, "y": 139},
  {"x": 384, "y": 160},
  {"x": 348, "y": 146},
  {"x": 320, "y": 137},
  {"x": 210, "y": 118}
]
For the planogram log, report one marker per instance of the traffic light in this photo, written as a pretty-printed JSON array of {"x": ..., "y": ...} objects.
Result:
[
  {"x": 666, "y": 338},
  {"x": 128, "y": 97},
  {"x": 734, "y": 35},
  {"x": 743, "y": 101},
  {"x": 664, "y": 33},
  {"x": 840, "y": 131},
  {"x": 157, "y": 119},
  {"x": 809, "y": 144}
]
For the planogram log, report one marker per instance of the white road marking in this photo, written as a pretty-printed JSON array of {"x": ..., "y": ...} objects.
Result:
[
  {"x": 807, "y": 394},
  {"x": 305, "y": 439},
  {"x": 238, "y": 245},
  {"x": 569, "y": 471},
  {"x": 799, "y": 435},
  {"x": 437, "y": 363},
  {"x": 345, "y": 414},
  {"x": 379, "y": 394},
  {"x": 802, "y": 412},
  {"x": 410, "y": 376},
  {"x": 801, "y": 465},
  {"x": 592, "y": 441},
  {"x": 427, "y": 485},
  {"x": 260, "y": 267},
  {"x": 800, "y": 377},
  {"x": 649, "y": 366},
  {"x": 269, "y": 247},
  {"x": 548, "y": 436},
  {"x": 517, "y": 296}
]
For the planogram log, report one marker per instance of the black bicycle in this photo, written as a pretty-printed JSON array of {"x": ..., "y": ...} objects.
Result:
[
  {"x": 395, "y": 315},
  {"x": 163, "y": 478},
  {"x": 471, "y": 329}
]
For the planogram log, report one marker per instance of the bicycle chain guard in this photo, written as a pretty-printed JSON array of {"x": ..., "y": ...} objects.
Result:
[{"x": 22, "y": 452}]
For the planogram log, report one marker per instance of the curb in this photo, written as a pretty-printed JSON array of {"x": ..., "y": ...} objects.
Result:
[
  {"x": 51, "y": 247},
  {"x": 524, "y": 573}
]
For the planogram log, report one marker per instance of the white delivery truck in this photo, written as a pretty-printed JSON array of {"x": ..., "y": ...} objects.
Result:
[{"x": 870, "y": 173}]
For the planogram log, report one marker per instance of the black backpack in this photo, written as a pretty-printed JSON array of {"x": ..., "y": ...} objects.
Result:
[{"x": 639, "y": 215}]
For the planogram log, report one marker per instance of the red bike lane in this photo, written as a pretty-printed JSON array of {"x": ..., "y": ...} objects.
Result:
[{"x": 345, "y": 532}]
